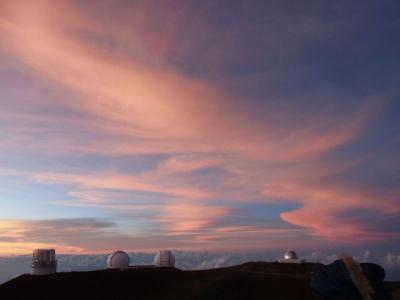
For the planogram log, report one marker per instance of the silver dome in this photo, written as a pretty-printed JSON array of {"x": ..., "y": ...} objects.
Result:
[
  {"x": 290, "y": 254},
  {"x": 118, "y": 259}
]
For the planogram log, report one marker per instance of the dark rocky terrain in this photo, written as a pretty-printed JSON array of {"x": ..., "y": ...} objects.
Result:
[{"x": 259, "y": 280}]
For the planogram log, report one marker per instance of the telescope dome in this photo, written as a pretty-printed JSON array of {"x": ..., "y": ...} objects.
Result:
[
  {"x": 290, "y": 255},
  {"x": 164, "y": 258},
  {"x": 118, "y": 259}
]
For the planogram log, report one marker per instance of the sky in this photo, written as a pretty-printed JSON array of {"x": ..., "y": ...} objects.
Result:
[{"x": 199, "y": 125}]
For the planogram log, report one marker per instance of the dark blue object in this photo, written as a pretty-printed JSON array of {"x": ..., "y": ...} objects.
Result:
[{"x": 333, "y": 282}]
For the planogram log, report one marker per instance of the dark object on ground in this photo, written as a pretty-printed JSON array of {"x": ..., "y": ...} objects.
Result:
[
  {"x": 334, "y": 282},
  {"x": 259, "y": 280},
  {"x": 396, "y": 294}
]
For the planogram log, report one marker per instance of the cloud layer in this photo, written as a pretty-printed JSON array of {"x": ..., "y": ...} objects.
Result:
[{"x": 17, "y": 265}]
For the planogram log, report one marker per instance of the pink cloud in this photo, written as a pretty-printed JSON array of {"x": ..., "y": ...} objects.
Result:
[
  {"x": 159, "y": 108},
  {"x": 21, "y": 236},
  {"x": 187, "y": 218},
  {"x": 132, "y": 105},
  {"x": 321, "y": 206}
]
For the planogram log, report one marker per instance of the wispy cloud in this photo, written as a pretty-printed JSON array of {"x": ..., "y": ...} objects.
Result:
[
  {"x": 106, "y": 90},
  {"x": 16, "y": 236}
]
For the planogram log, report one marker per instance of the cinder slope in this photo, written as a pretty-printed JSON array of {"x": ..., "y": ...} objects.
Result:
[{"x": 248, "y": 281}]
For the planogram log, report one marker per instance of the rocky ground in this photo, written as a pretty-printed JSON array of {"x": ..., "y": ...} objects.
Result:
[{"x": 258, "y": 280}]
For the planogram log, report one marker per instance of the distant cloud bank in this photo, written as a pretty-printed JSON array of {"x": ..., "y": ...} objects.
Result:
[{"x": 11, "y": 267}]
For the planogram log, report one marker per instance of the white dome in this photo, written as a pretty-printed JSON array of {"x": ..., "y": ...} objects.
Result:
[
  {"x": 290, "y": 254},
  {"x": 164, "y": 258},
  {"x": 118, "y": 259}
]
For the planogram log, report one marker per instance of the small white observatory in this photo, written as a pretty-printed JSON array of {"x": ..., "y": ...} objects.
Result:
[
  {"x": 44, "y": 262},
  {"x": 291, "y": 257},
  {"x": 118, "y": 260},
  {"x": 164, "y": 258}
]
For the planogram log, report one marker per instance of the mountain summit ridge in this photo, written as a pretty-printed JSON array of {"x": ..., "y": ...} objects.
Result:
[{"x": 253, "y": 280}]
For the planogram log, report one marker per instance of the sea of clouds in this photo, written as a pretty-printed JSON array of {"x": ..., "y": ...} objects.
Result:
[{"x": 11, "y": 267}]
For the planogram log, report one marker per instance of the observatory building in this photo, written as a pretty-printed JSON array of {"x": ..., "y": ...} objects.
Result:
[
  {"x": 120, "y": 260},
  {"x": 117, "y": 260},
  {"x": 291, "y": 257},
  {"x": 44, "y": 262},
  {"x": 164, "y": 258}
]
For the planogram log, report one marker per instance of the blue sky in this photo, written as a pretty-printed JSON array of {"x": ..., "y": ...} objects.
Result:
[{"x": 230, "y": 125}]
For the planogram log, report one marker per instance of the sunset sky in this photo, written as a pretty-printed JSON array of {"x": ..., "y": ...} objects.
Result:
[{"x": 199, "y": 125}]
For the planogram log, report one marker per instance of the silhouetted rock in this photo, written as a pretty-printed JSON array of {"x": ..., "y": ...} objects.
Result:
[{"x": 259, "y": 280}]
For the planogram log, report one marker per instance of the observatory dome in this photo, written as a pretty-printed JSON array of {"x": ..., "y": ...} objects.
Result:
[
  {"x": 118, "y": 259},
  {"x": 164, "y": 258},
  {"x": 290, "y": 255}
]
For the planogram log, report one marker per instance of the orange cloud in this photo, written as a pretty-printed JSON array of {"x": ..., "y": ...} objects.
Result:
[{"x": 18, "y": 236}]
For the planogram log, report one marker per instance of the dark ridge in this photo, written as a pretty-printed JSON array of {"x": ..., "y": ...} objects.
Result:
[{"x": 258, "y": 280}]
